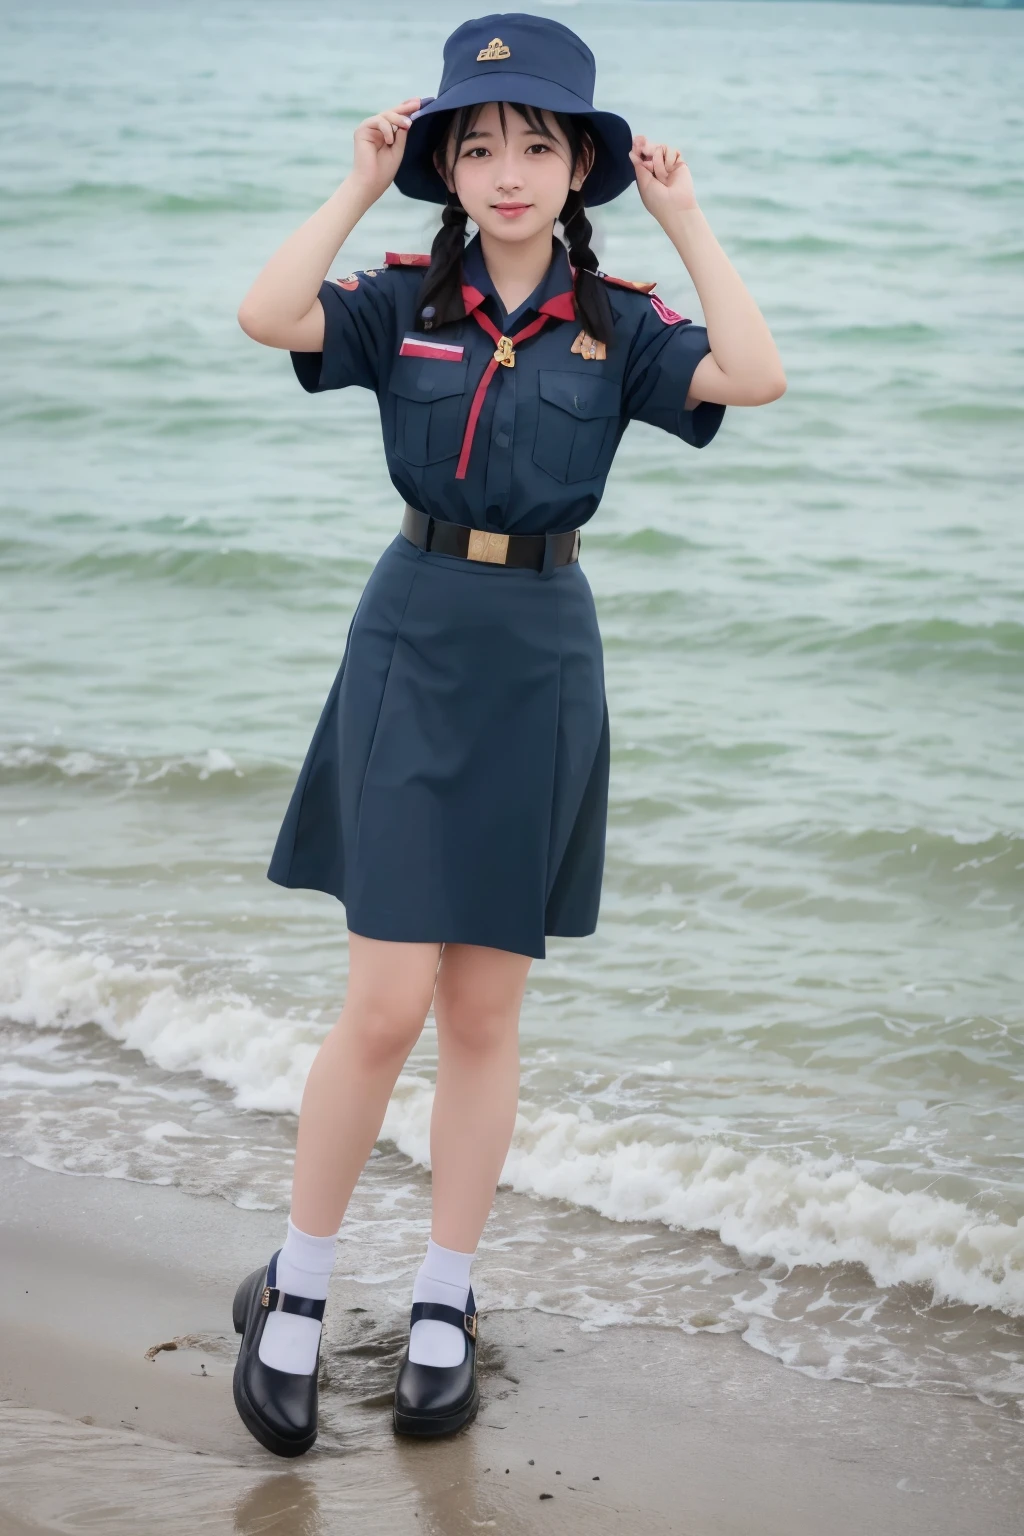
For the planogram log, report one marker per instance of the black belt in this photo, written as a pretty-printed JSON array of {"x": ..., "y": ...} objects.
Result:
[{"x": 477, "y": 544}]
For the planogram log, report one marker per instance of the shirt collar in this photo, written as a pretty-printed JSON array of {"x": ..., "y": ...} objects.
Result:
[{"x": 553, "y": 295}]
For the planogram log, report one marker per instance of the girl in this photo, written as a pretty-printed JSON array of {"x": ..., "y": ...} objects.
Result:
[{"x": 454, "y": 793}]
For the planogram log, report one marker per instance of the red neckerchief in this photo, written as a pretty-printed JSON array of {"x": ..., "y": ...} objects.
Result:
[{"x": 561, "y": 306}]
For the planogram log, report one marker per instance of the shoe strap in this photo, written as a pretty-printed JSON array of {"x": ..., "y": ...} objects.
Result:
[
  {"x": 281, "y": 1301},
  {"x": 445, "y": 1314}
]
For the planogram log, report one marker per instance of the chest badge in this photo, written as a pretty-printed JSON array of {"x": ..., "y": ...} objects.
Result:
[
  {"x": 441, "y": 351},
  {"x": 495, "y": 49},
  {"x": 589, "y": 347},
  {"x": 505, "y": 352}
]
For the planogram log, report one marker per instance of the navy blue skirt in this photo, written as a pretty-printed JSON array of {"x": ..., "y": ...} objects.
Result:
[{"x": 456, "y": 786}]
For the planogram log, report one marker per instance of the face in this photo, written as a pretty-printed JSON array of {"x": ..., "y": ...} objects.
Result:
[{"x": 514, "y": 186}]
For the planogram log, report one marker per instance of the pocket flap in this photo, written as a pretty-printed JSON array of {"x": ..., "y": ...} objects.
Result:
[
  {"x": 420, "y": 378},
  {"x": 579, "y": 394}
]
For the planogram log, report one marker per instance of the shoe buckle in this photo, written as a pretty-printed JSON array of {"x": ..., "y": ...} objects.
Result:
[{"x": 469, "y": 1323}]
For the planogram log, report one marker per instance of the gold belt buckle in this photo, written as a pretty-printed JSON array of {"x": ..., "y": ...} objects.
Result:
[
  {"x": 469, "y": 1323},
  {"x": 487, "y": 546}
]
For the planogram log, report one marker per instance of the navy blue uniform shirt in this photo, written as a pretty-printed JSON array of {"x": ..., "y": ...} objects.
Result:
[{"x": 537, "y": 458}]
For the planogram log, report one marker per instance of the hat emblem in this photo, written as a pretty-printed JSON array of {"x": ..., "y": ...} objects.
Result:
[{"x": 495, "y": 49}]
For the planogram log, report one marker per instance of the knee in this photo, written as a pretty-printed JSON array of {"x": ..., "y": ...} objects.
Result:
[
  {"x": 477, "y": 1025},
  {"x": 384, "y": 1026}
]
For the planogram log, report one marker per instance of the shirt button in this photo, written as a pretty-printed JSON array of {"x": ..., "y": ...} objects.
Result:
[{"x": 501, "y": 438}]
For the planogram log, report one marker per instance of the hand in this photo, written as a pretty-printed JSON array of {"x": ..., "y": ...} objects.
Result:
[
  {"x": 379, "y": 146},
  {"x": 662, "y": 176}
]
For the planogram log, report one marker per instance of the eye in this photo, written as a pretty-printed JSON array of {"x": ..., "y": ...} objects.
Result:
[{"x": 545, "y": 147}]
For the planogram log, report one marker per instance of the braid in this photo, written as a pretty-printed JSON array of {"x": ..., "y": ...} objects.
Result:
[
  {"x": 591, "y": 295},
  {"x": 440, "y": 295}
]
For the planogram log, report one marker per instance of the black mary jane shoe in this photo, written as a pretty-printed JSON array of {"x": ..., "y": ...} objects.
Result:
[
  {"x": 278, "y": 1408},
  {"x": 437, "y": 1399}
]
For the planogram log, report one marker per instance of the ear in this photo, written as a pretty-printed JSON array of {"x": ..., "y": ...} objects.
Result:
[{"x": 585, "y": 164}]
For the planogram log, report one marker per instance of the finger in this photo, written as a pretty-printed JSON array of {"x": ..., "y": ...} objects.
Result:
[
  {"x": 394, "y": 124},
  {"x": 400, "y": 114},
  {"x": 384, "y": 127}
]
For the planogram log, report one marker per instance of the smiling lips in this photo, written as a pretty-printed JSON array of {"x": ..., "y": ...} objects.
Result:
[{"x": 511, "y": 209}]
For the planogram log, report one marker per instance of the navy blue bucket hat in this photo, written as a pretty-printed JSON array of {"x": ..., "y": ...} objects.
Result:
[{"x": 515, "y": 57}]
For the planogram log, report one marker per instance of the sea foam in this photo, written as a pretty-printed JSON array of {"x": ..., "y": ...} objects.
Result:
[{"x": 795, "y": 1208}]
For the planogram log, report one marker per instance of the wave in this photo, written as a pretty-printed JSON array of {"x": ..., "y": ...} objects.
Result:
[
  {"x": 927, "y": 642},
  {"x": 323, "y": 577},
  {"x": 27, "y": 763},
  {"x": 643, "y": 541},
  {"x": 122, "y": 198},
  {"x": 794, "y": 1208},
  {"x": 797, "y": 1210},
  {"x": 910, "y": 333}
]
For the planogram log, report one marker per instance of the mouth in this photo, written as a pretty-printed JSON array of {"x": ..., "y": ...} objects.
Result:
[{"x": 510, "y": 209}]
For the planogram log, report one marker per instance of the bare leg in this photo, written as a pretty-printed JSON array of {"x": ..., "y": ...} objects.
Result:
[
  {"x": 343, "y": 1103},
  {"x": 477, "y": 999},
  {"x": 347, "y": 1090}
]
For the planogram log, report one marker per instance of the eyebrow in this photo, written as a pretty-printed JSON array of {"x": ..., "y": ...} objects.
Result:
[{"x": 479, "y": 134}]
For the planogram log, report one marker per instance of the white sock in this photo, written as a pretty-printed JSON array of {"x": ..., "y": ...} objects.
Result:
[
  {"x": 289, "y": 1342},
  {"x": 443, "y": 1276}
]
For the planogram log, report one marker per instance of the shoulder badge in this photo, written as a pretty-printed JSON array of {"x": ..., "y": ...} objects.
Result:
[
  {"x": 670, "y": 316},
  {"x": 406, "y": 259},
  {"x": 627, "y": 282},
  {"x": 352, "y": 280}
]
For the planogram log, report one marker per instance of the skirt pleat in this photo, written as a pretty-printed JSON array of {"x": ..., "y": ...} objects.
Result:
[{"x": 455, "y": 789}]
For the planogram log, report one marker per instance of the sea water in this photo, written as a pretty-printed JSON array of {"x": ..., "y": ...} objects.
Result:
[{"x": 780, "y": 1090}]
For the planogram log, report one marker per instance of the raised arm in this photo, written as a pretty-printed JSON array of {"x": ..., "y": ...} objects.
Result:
[
  {"x": 743, "y": 366},
  {"x": 282, "y": 309}
]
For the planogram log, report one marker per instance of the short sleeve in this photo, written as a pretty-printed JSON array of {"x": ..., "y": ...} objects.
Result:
[
  {"x": 663, "y": 354},
  {"x": 358, "y": 332}
]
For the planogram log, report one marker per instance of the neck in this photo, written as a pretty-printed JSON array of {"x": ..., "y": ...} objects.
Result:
[{"x": 516, "y": 267}]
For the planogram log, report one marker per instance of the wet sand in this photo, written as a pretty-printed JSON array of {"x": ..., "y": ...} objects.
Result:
[{"x": 627, "y": 1429}]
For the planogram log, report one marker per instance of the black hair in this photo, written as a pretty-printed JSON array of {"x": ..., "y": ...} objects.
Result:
[{"x": 442, "y": 281}]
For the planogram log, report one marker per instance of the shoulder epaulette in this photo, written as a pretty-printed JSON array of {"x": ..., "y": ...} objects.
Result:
[
  {"x": 406, "y": 259},
  {"x": 627, "y": 282}
]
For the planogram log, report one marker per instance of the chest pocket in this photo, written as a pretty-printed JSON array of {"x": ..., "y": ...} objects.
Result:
[
  {"x": 428, "y": 397},
  {"x": 577, "y": 418}
]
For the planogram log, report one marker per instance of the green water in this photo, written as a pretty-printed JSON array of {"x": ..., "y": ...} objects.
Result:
[{"x": 781, "y": 1086}]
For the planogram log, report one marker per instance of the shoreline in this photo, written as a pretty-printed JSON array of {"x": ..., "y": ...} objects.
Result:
[{"x": 696, "y": 1433}]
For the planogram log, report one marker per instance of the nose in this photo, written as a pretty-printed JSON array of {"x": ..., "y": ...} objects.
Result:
[{"x": 509, "y": 175}]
